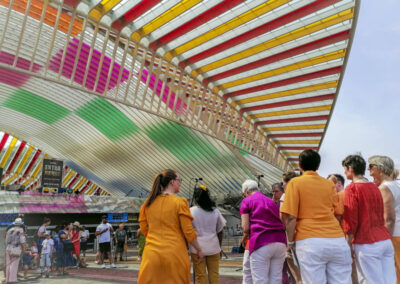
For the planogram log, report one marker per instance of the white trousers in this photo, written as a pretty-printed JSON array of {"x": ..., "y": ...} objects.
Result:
[
  {"x": 246, "y": 268},
  {"x": 376, "y": 262},
  {"x": 266, "y": 263},
  {"x": 324, "y": 260}
]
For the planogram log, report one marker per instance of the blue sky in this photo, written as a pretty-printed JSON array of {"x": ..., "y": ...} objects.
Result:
[{"x": 367, "y": 113}]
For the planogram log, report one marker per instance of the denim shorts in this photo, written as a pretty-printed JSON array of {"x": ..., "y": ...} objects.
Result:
[{"x": 45, "y": 260}]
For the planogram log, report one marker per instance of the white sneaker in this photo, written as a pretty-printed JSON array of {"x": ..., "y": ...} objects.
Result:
[
  {"x": 113, "y": 265},
  {"x": 103, "y": 265}
]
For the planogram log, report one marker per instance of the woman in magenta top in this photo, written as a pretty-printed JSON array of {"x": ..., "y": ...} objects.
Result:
[
  {"x": 364, "y": 225},
  {"x": 266, "y": 233}
]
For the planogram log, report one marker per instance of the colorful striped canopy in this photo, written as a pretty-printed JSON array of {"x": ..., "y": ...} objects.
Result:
[{"x": 224, "y": 89}]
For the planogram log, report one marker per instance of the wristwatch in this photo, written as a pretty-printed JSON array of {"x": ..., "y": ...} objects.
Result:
[{"x": 291, "y": 243}]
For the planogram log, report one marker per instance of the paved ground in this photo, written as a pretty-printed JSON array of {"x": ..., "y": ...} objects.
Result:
[{"x": 127, "y": 272}]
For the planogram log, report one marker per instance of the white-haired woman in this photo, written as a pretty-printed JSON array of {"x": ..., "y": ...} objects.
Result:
[
  {"x": 15, "y": 240},
  {"x": 266, "y": 233},
  {"x": 381, "y": 168}
]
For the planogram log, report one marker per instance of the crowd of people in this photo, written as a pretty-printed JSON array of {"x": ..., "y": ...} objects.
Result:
[
  {"x": 56, "y": 251},
  {"x": 318, "y": 232},
  {"x": 312, "y": 230}
]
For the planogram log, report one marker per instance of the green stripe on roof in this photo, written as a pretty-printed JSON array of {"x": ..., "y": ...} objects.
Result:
[
  {"x": 107, "y": 119},
  {"x": 36, "y": 106},
  {"x": 181, "y": 141}
]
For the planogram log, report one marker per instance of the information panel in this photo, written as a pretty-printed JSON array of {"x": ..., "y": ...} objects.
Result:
[{"x": 52, "y": 173}]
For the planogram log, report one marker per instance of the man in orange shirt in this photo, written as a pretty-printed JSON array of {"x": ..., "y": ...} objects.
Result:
[{"x": 308, "y": 212}]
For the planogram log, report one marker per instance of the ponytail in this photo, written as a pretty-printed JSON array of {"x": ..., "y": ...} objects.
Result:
[
  {"x": 395, "y": 174},
  {"x": 160, "y": 182}
]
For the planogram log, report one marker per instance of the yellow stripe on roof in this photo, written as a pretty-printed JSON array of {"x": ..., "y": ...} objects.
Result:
[
  {"x": 25, "y": 159},
  {"x": 232, "y": 24},
  {"x": 301, "y": 32},
  {"x": 291, "y": 153},
  {"x": 306, "y": 63},
  {"x": 291, "y": 111},
  {"x": 298, "y": 141},
  {"x": 8, "y": 152},
  {"x": 103, "y": 8},
  {"x": 166, "y": 17},
  {"x": 68, "y": 177},
  {"x": 82, "y": 180},
  {"x": 6, "y": 182},
  {"x": 39, "y": 166},
  {"x": 91, "y": 189},
  {"x": 307, "y": 89},
  {"x": 296, "y": 127}
]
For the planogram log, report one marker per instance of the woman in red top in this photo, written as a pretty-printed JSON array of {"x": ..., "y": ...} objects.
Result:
[
  {"x": 364, "y": 225},
  {"x": 76, "y": 241}
]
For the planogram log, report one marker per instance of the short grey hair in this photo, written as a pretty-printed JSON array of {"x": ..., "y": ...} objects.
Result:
[
  {"x": 250, "y": 185},
  {"x": 384, "y": 164}
]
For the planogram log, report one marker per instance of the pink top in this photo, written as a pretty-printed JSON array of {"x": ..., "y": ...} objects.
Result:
[{"x": 265, "y": 225}]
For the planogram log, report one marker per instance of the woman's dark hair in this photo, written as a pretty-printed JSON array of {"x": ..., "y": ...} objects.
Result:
[
  {"x": 339, "y": 177},
  {"x": 161, "y": 181},
  {"x": 309, "y": 160},
  {"x": 286, "y": 177},
  {"x": 202, "y": 198},
  {"x": 64, "y": 224},
  {"x": 356, "y": 162},
  {"x": 46, "y": 220}
]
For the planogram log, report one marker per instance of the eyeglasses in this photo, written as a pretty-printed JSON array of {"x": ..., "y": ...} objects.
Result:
[
  {"x": 179, "y": 179},
  {"x": 371, "y": 166}
]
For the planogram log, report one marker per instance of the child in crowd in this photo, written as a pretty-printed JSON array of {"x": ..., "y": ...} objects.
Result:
[
  {"x": 35, "y": 255},
  {"x": 46, "y": 254},
  {"x": 27, "y": 260}
]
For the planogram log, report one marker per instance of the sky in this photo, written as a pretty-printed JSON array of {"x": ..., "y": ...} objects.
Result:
[{"x": 367, "y": 112}]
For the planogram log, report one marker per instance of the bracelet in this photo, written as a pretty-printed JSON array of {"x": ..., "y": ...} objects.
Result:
[{"x": 291, "y": 243}]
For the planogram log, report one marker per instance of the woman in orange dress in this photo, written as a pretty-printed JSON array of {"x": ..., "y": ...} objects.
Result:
[{"x": 166, "y": 222}]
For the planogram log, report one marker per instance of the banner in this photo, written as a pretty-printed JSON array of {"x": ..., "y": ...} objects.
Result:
[
  {"x": 52, "y": 171},
  {"x": 117, "y": 217}
]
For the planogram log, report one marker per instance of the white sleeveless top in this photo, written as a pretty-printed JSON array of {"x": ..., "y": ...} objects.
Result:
[{"x": 394, "y": 187}]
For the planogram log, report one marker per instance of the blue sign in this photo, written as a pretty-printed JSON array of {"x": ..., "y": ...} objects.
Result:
[
  {"x": 117, "y": 217},
  {"x": 8, "y": 218}
]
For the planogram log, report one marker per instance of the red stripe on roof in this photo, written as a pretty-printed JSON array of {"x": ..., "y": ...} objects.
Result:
[
  {"x": 280, "y": 56},
  {"x": 85, "y": 187},
  {"x": 16, "y": 156},
  {"x": 293, "y": 80},
  {"x": 290, "y": 120},
  {"x": 289, "y": 103},
  {"x": 74, "y": 180},
  {"x": 35, "y": 157},
  {"x": 134, "y": 13},
  {"x": 3, "y": 141},
  {"x": 196, "y": 22},
  {"x": 267, "y": 27}
]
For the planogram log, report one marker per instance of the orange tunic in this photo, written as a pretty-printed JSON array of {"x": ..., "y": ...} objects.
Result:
[{"x": 166, "y": 223}]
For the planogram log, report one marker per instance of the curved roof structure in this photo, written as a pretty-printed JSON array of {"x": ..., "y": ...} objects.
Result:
[{"x": 222, "y": 89}]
